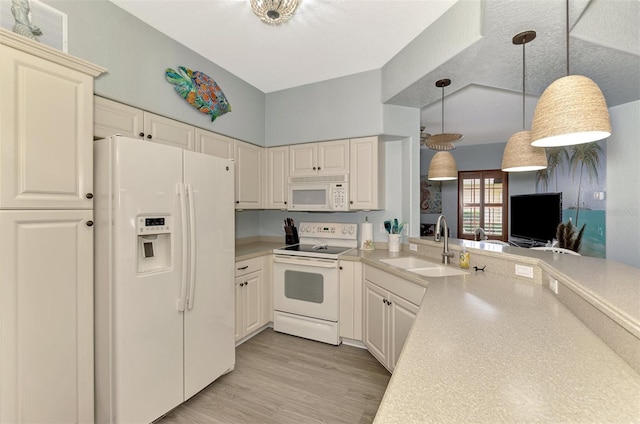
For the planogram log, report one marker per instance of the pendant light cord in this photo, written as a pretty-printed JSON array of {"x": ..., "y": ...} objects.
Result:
[
  {"x": 567, "y": 41},
  {"x": 524, "y": 42},
  {"x": 442, "y": 124}
]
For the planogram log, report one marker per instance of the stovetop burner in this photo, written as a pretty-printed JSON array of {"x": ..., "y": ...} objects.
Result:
[{"x": 322, "y": 240}]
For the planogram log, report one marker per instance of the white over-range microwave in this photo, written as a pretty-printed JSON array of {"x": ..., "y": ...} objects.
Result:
[{"x": 319, "y": 193}]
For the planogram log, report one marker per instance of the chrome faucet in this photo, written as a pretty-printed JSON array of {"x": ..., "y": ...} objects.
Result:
[{"x": 446, "y": 255}]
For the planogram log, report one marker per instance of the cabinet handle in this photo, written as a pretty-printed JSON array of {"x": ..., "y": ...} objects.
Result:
[
  {"x": 339, "y": 267},
  {"x": 149, "y": 136},
  {"x": 89, "y": 195},
  {"x": 241, "y": 284},
  {"x": 246, "y": 284},
  {"x": 237, "y": 201},
  {"x": 243, "y": 267},
  {"x": 314, "y": 168},
  {"x": 384, "y": 301},
  {"x": 89, "y": 223},
  {"x": 141, "y": 134},
  {"x": 319, "y": 168},
  {"x": 351, "y": 202},
  {"x": 285, "y": 202}
]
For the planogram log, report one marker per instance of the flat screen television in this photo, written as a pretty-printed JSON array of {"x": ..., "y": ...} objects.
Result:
[{"x": 536, "y": 216}]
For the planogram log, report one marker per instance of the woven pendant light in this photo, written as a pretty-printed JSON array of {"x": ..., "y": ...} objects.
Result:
[
  {"x": 519, "y": 155},
  {"x": 443, "y": 167},
  {"x": 572, "y": 110},
  {"x": 443, "y": 141}
]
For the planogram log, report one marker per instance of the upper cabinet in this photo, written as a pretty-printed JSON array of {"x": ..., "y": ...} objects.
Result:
[
  {"x": 112, "y": 118},
  {"x": 214, "y": 144},
  {"x": 248, "y": 158},
  {"x": 46, "y": 149},
  {"x": 366, "y": 179},
  {"x": 326, "y": 158},
  {"x": 116, "y": 118},
  {"x": 277, "y": 180}
]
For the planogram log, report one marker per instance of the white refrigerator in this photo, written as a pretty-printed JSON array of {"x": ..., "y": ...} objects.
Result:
[{"x": 164, "y": 276}]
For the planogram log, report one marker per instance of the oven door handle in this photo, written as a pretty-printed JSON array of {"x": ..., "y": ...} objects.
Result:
[{"x": 315, "y": 262}]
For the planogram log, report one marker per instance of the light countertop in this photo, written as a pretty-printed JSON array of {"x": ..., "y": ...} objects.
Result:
[{"x": 487, "y": 347}]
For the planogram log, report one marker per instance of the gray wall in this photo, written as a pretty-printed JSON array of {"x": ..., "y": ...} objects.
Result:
[
  {"x": 473, "y": 158},
  {"x": 623, "y": 185},
  {"x": 136, "y": 56}
]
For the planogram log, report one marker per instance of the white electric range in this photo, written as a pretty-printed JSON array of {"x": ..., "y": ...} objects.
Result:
[{"x": 306, "y": 284}]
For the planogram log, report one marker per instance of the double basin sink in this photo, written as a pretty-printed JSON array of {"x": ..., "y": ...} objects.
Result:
[{"x": 422, "y": 267}]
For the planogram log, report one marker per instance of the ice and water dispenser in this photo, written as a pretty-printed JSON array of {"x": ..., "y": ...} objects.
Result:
[{"x": 154, "y": 243}]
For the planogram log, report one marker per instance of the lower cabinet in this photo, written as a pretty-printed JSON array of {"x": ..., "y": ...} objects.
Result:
[
  {"x": 46, "y": 316},
  {"x": 351, "y": 300},
  {"x": 250, "y": 297},
  {"x": 388, "y": 317}
]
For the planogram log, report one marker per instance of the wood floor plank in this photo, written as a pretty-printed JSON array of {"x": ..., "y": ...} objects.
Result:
[{"x": 282, "y": 379}]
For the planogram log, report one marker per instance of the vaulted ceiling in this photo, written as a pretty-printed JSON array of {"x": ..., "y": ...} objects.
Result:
[{"x": 327, "y": 39}]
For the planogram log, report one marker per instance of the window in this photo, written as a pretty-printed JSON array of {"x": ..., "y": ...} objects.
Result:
[{"x": 483, "y": 202}]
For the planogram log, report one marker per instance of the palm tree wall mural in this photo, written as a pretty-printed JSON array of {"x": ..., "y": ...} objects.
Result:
[{"x": 579, "y": 173}]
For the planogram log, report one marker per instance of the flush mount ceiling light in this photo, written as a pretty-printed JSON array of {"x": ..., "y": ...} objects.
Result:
[
  {"x": 443, "y": 141},
  {"x": 572, "y": 110},
  {"x": 519, "y": 155},
  {"x": 443, "y": 167},
  {"x": 274, "y": 12}
]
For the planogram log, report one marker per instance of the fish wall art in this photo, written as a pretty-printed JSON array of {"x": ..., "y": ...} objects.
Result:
[{"x": 199, "y": 90}]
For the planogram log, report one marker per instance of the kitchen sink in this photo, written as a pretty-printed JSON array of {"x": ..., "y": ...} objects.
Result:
[
  {"x": 409, "y": 262},
  {"x": 422, "y": 267},
  {"x": 438, "y": 271}
]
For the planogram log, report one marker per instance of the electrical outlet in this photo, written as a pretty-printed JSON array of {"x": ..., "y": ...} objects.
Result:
[
  {"x": 382, "y": 230},
  {"x": 524, "y": 271},
  {"x": 413, "y": 247}
]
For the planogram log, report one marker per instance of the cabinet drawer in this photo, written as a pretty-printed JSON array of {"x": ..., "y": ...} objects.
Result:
[
  {"x": 247, "y": 266},
  {"x": 396, "y": 285}
]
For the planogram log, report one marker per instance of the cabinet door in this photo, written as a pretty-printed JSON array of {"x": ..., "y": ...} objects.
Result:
[
  {"x": 239, "y": 285},
  {"x": 351, "y": 300},
  {"x": 110, "y": 118},
  {"x": 46, "y": 149},
  {"x": 376, "y": 326},
  {"x": 214, "y": 144},
  {"x": 303, "y": 160},
  {"x": 248, "y": 175},
  {"x": 267, "y": 289},
  {"x": 253, "y": 302},
  {"x": 46, "y": 316},
  {"x": 277, "y": 177},
  {"x": 333, "y": 157},
  {"x": 167, "y": 131},
  {"x": 366, "y": 179},
  {"x": 402, "y": 315}
]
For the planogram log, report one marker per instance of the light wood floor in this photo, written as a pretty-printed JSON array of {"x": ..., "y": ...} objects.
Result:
[{"x": 285, "y": 379}]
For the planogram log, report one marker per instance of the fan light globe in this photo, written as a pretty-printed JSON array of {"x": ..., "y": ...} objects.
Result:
[
  {"x": 520, "y": 156},
  {"x": 443, "y": 167},
  {"x": 572, "y": 110}
]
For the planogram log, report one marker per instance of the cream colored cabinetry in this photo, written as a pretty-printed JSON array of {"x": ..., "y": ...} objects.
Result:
[
  {"x": 248, "y": 159},
  {"x": 366, "y": 177},
  {"x": 46, "y": 151},
  {"x": 112, "y": 118},
  {"x": 277, "y": 179},
  {"x": 267, "y": 289},
  {"x": 351, "y": 300},
  {"x": 116, "y": 118},
  {"x": 46, "y": 234},
  {"x": 46, "y": 316},
  {"x": 249, "y": 300},
  {"x": 326, "y": 158},
  {"x": 390, "y": 307},
  {"x": 214, "y": 144}
]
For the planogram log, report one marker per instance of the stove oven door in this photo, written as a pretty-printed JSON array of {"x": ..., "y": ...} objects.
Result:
[{"x": 306, "y": 286}]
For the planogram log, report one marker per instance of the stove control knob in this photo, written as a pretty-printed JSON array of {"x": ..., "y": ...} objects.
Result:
[
  {"x": 350, "y": 230},
  {"x": 308, "y": 229},
  {"x": 344, "y": 230}
]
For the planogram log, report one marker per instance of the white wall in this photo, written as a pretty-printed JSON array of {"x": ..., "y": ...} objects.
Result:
[{"x": 623, "y": 185}]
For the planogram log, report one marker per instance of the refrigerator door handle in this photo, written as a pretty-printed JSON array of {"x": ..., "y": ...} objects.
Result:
[
  {"x": 192, "y": 246},
  {"x": 185, "y": 248}
]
